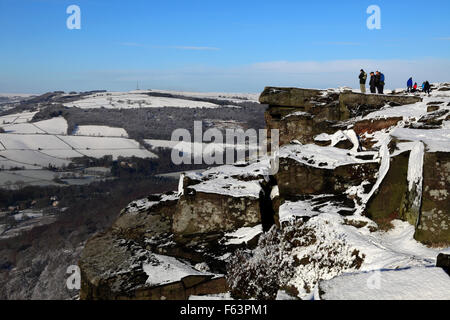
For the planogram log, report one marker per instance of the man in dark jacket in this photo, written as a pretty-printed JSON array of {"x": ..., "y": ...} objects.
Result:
[
  {"x": 379, "y": 81},
  {"x": 372, "y": 83},
  {"x": 362, "y": 81},
  {"x": 427, "y": 87}
]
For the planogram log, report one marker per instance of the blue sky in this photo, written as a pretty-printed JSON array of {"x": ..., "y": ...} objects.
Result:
[{"x": 238, "y": 46}]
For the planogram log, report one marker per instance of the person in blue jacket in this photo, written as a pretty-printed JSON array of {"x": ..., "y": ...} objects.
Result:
[
  {"x": 379, "y": 80},
  {"x": 409, "y": 85}
]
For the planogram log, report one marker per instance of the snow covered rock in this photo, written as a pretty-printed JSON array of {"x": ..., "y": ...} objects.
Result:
[
  {"x": 118, "y": 269},
  {"x": 220, "y": 200}
]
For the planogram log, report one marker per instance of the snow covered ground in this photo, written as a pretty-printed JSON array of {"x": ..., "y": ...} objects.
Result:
[
  {"x": 164, "y": 270},
  {"x": 243, "y": 235},
  {"x": 419, "y": 283},
  {"x": 230, "y": 187},
  {"x": 322, "y": 157}
]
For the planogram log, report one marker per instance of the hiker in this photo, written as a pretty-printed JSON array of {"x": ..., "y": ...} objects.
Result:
[
  {"x": 414, "y": 89},
  {"x": 427, "y": 87},
  {"x": 409, "y": 84},
  {"x": 372, "y": 82},
  {"x": 379, "y": 81},
  {"x": 362, "y": 81}
]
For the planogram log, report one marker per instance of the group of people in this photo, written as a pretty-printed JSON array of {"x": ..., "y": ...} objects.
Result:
[
  {"x": 376, "y": 82},
  {"x": 426, "y": 87}
]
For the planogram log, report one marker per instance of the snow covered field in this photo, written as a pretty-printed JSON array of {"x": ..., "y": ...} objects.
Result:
[
  {"x": 40, "y": 144},
  {"x": 100, "y": 131},
  {"x": 17, "y": 118},
  {"x": 130, "y": 100},
  {"x": 143, "y": 99}
]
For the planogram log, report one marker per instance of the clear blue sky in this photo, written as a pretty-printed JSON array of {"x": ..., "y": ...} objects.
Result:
[{"x": 212, "y": 45}]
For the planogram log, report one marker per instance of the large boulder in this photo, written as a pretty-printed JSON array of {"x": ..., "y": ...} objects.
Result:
[{"x": 215, "y": 206}]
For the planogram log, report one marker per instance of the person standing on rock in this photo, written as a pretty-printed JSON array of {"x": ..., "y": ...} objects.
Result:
[
  {"x": 362, "y": 81},
  {"x": 409, "y": 84},
  {"x": 427, "y": 87},
  {"x": 379, "y": 81},
  {"x": 372, "y": 83}
]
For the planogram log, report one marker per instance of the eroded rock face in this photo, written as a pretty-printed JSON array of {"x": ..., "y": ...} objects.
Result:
[
  {"x": 301, "y": 126},
  {"x": 146, "y": 218},
  {"x": 303, "y": 171},
  {"x": 300, "y": 114},
  {"x": 295, "y": 179},
  {"x": 434, "y": 224},
  {"x": 386, "y": 204},
  {"x": 373, "y": 125},
  {"x": 202, "y": 213},
  {"x": 289, "y": 97}
]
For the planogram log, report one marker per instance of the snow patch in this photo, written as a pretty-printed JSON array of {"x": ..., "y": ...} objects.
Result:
[{"x": 405, "y": 284}]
